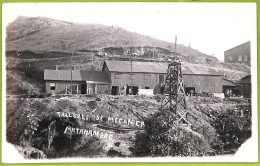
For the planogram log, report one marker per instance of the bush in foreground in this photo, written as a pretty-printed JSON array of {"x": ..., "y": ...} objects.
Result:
[
  {"x": 162, "y": 137},
  {"x": 233, "y": 126}
]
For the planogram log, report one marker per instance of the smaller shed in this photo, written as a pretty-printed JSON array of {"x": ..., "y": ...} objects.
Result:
[
  {"x": 246, "y": 82},
  {"x": 231, "y": 88},
  {"x": 201, "y": 79},
  {"x": 75, "y": 82}
]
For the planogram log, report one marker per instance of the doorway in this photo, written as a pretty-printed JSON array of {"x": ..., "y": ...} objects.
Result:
[
  {"x": 132, "y": 90},
  {"x": 115, "y": 90},
  {"x": 190, "y": 91},
  {"x": 83, "y": 88}
]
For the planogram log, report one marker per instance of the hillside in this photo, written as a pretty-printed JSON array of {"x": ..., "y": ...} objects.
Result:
[
  {"x": 42, "y": 127},
  {"x": 39, "y": 34}
]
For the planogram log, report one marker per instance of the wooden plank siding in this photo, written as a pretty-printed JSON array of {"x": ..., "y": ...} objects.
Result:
[
  {"x": 60, "y": 86},
  {"x": 102, "y": 88},
  {"x": 246, "y": 83},
  {"x": 202, "y": 83},
  {"x": 141, "y": 80}
]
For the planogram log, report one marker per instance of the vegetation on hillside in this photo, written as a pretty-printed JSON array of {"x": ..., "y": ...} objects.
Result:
[
  {"x": 217, "y": 127},
  {"x": 39, "y": 34},
  {"x": 214, "y": 130}
]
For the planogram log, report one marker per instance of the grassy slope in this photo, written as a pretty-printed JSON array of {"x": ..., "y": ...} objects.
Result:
[{"x": 44, "y": 34}]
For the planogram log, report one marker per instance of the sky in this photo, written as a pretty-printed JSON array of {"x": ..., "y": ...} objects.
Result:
[{"x": 210, "y": 28}]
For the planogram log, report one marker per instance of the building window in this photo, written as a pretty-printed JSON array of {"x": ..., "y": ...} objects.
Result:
[
  {"x": 161, "y": 79},
  {"x": 240, "y": 58},
  {"x": 230, "y": 58},
  {"x": 245, "y": 58},
  {"x": 52, "y": 86},
  {"x": 147, "y": 87}
]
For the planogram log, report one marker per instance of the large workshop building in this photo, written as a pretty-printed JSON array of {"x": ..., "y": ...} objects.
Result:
[
  {"x": 146, "y": 75},
  {"x": 239, "y": 54}
]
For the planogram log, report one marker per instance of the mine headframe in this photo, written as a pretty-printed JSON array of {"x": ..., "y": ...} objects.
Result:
[{"x": 174, "y": 95}]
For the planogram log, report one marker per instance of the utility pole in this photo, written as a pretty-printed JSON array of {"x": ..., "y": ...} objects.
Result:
[
  {"x": 131, "y": 63},
  {"x": 131, "y": 76},
  {"x": 189, "y": 49},
  {"x": 175, "y": 53},
  {"x": 153, "y": 52},
  {"x": 66, "y": 45},
  {"x": 71, "y": 72}
]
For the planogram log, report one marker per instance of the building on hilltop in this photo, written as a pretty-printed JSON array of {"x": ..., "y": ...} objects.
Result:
[{"x": 239, "y": 54}]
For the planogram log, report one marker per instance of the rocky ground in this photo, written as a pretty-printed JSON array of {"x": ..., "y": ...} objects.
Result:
[{"x": 220, "y": 125}]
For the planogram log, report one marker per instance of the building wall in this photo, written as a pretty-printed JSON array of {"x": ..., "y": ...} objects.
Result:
[
  {"x": 141, "y": 80},
  {"x": 246, "y": 91},
  {"x": 239, "y": 54},
  {"x": 60, "y": 87},
  {"x": 202, "y": 83},
  {"x": 103, "y": 88},
  {"x": 246, "y": 83}
]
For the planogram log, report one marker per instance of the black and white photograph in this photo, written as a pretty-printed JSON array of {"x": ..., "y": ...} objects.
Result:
[{"x": 129, "y": 82}]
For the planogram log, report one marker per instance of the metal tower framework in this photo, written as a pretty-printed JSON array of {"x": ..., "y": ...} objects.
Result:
[{"x": 174, "y": 97}]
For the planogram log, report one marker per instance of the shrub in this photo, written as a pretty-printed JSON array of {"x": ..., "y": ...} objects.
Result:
[
  {"x": 233, "y": 126},
  {"x": 163, "y": 137},
  {"x": 47, "y": 135}
]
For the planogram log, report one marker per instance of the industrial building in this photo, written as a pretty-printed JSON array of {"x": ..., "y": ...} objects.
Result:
[
  {"x": 146, "y": 75},
  {"x": 75, "y": 82},
  {"x": 129, "y": 77},
  {"x": 239, "y": 54}
]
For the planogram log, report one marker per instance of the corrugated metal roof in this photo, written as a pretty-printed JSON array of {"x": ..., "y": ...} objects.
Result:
[
  {"x": 77, "y": 75},
  {"x": 156, "y": 67},
  {"x": 245, "y": 80},
  {"x": 226, "y": 82},
  {"x": 137, "y": 67}
]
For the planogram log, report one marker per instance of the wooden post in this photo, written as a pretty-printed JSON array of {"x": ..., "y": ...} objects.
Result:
[
  {"x": 175, "y": 45},
  {"x": 71, "y": 72}
]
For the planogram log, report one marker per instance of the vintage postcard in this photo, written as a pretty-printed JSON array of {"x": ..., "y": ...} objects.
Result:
[{"x": 129, "y": 82}]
